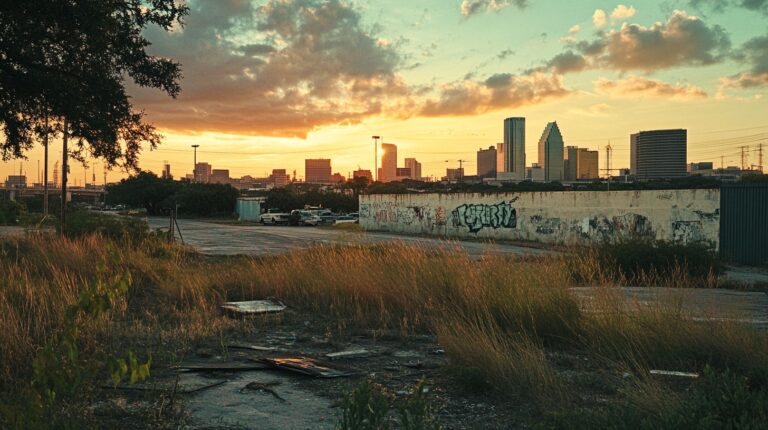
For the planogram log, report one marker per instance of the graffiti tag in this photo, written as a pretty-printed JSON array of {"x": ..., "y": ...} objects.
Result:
[{"x": 480, "y": 216}]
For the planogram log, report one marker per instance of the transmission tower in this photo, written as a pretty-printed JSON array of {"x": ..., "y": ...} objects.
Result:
[{"x": 744, "y": 155}]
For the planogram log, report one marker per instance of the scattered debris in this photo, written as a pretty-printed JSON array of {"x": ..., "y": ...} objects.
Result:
[
  {"x": 308, "y": 366},
  {"x": 674, "y": 373},
  {"x": 350, "y": 353},
  {"x": 406, "y": 354},
  {"x": 221, "y": 366},
  {"x": 164, "y": 387},
  {"x": 265, "y": 387},
  {"x": 422, "y": 365},
  {"x": 254, "y": 307},
  {"x": 438, "y": 351},
  {"x": 252, "y": 347}
]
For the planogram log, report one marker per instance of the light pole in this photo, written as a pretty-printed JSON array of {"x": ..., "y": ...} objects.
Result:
[
  {"x": 376, "y": 157},
  {"x": 194, "y": 166}
]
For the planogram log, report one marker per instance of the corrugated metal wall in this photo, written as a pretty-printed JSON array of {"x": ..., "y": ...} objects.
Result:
[{"x": 744, "y": 223}]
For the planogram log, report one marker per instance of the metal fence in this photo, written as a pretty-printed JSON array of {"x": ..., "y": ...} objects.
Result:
[{"x": 744, "y": 223}]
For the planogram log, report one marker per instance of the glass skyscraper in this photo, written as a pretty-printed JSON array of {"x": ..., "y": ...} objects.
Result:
[
  {"x": 512, "y": 166},
  {"x": 551, "y": 153}
]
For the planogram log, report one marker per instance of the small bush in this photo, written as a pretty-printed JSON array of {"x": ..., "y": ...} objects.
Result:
[
  {"x": 11, "y": 212},
  {"x": 82, "y": 223},
  {"x": 646, "y": 262},
  {"x": 365, "y": 408},
  {"x": 718, "y": 401}
]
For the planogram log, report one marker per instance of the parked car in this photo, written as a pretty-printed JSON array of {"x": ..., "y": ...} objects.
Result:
[
  {"x": 274, "y": 217},
  {"x": 303, "y": 217},
  {"x": 346, "y": 219}
]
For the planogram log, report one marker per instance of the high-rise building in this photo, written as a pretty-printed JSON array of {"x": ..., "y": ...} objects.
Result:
[
  {"x": 415, "y": 168},
  {"x": 580, "y": 163},
  {"x": 202, "y": 172},
  {"x": 166, "y": 170},
  {"x": 388, "y": 169},
  {"x": 551, "y": 152},
  {"x": 317, "y": 171},
  {"x": 486, "y": 162},
  {"x": 658, "y": 154},
  {"x": 360, "y": 173},
  {"x": 403, "y": 173},
  {"x": 279, "y": 178},
  {"x": 513, "y": 162}
]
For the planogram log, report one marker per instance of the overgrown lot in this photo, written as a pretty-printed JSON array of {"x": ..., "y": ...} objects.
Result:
[{"x": 512, "y": 328}]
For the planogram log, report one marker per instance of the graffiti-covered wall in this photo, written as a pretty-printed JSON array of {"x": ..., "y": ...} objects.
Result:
[{"x": 575, "y": 217}]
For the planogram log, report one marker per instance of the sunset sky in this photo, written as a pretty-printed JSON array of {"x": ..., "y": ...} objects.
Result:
[{"x": 270, "y": 83}]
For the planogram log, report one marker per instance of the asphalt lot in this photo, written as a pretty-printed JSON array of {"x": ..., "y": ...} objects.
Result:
[{"x": 221, "y": 239}]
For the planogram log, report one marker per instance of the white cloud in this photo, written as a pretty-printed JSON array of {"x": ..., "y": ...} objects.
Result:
[
  {"x": 623, "y": 12},
  {"x": 575, "y": 29},
  {"x": 598, "y": 18}
]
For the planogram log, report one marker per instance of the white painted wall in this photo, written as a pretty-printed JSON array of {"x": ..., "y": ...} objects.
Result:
[{"x": 572, "y": 217}]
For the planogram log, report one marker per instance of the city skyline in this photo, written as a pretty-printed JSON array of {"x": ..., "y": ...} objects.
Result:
[{"x": 446, "y": 92}]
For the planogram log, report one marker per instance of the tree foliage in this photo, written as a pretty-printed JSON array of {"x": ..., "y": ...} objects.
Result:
[
  {"x": 69, "y": 59},
  {"x": 157, "y": 195}
]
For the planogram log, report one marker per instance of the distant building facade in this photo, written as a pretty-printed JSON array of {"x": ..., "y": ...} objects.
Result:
[
  {"x": 279, "y": 177},
  {"x": 388, "y": 169},
  {"x": 219, "y": 176},
  {"x": 414, "y": 167},
  {"x": 512, "y": 162},
  {"x": 202, "y": 172},
  {"x": 16, "y": 181},
  {"x": 167, "y": 171},
  {"x": 551, "y": 152},
  {"x": 337, "y": 178},
  {"x": 402, "y": 173},
  {"x": 317, "y": 171},
  {"x": 361, "y": 173},
  {"x": 454, "y": 174},
  {"x": 658, "y": 154},
  {"x": 535, "y": 173},
  {"x": 486, "y": 162},
  {"x": 580, "y": 163}
]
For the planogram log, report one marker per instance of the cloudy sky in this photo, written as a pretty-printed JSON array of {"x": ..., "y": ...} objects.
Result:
[{"x": 268, "y": 83}]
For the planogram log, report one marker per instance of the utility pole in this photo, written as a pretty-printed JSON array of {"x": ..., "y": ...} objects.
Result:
[
  {"x": 194, "y": 168},
  {"x": 376, "y": 157},
  {"x": 722, "y": 162},
  {"x": 45, "y": 169},
  {"x": 744, "y": 150},
  {"x": 64, "y": 171},
  {"x": 760, "y": 157}
]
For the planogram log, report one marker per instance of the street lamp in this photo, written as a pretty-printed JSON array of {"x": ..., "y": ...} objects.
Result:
[
  {"x": 194, "y": 167},
  {"x": 376, "y": 156}
]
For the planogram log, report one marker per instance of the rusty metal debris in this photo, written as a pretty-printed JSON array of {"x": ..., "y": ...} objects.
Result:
[
  {"x": 254, "y": 307},
  {"x": 674, "y": 373},
  {"x": 308, "y": 366}
]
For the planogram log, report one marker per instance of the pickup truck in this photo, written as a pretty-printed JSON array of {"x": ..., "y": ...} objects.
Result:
[{"x": 274, "y": 217}]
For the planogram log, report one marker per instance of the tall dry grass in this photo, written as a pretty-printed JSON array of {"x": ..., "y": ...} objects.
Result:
[{"x": 501, "y": 315}]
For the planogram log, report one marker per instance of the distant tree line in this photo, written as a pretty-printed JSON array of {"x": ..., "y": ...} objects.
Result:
[
  {"x": 296, "y": 197},
  {"x": 157, "y": 195}
]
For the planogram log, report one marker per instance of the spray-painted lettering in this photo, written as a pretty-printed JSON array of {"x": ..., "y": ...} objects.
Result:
[{"x": 478, "y": 217}]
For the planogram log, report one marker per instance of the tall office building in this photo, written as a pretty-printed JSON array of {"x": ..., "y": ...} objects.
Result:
[
  {"x": 414, "y": 166},
  {"x": 580, "y": 163},
  {"x": 658, "y": 154},
  {"x": 202, "y": 172},
  {"x": 486, "y": 162},
  {"x": 513, "y": 150},
  {"x": 317, "y": 171},
  {"x": 551, "y": 152},
  {"x": 166, "y": 170},
  {"x": 388, "y": 169}
]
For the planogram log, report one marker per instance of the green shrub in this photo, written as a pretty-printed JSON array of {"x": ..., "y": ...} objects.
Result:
[
  {"x": 718, "y": 401},
  {"x": 11, "y": 212},
  {"x": 367, "y": 407},
  {"x": 642, "y": 261},
  {"x": 81, "y": 223}
]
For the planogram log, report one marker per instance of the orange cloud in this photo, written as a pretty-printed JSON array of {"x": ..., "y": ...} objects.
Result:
[{"x": 636, "y": 86}]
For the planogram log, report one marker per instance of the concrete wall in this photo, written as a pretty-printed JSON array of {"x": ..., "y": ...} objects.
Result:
[{"x": 574, "y": 217}]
